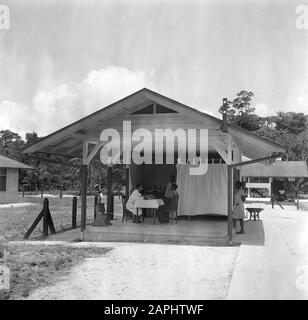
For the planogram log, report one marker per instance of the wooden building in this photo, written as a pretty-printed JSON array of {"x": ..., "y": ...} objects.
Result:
[
  {"x": 274, "y": 177},
  {"x": 9, "y": 170},
  {"x": 149, "y": 110}
]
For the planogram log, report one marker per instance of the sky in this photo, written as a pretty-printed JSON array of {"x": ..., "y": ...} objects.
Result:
[{"x": 62, "y": 60}]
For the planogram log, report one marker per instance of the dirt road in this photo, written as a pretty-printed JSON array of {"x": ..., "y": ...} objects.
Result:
[{"x": 148, "y": 271}]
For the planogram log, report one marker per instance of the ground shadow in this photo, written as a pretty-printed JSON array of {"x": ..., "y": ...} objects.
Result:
[{"x": 254, "y": 234}]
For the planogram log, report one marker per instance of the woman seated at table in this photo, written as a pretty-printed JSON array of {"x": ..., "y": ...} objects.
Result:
[{"x": 131, "y": 202}]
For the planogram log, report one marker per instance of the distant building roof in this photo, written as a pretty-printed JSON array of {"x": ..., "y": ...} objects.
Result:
[
  {"x": 279, "y": 169},
  {"x": 6, "y": 162}
]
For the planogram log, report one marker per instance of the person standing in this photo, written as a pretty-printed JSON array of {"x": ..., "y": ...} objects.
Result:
[
  {"x": 238, "y": 208},
  {"x": 168, "y": 188}
]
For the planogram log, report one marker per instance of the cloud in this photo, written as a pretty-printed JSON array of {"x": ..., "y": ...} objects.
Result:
[
  {"x": 56, "y": 108},
  {"x": 263, "y": 110}
]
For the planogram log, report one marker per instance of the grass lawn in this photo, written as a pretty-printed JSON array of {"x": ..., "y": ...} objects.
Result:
[
  {"x": 15, "y": 221},
  {"x": 33, "y": 266}
]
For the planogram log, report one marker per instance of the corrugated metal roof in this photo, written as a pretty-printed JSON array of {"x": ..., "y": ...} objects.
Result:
[
  {"x": 6, "y": 162},
  {"x": 281, "y": 169}
]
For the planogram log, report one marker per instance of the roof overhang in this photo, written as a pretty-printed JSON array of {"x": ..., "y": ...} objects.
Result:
[
  {"x": 68, "y": 141},
  {"x": 279, "y": 169},
  {"x": 9, "y": 163}
]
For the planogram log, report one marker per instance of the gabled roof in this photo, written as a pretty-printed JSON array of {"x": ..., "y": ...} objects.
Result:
[
  {"x": 72, "y": 134},
  {"x": 6, "y": 162}
]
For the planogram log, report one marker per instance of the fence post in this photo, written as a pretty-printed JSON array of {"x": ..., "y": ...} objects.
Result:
[
  {"x": 95, "y": 204},
  {"x": 45, "y": 218},
  {"x": 74, "y": 213},
  {"x": 61, "y": 193}
]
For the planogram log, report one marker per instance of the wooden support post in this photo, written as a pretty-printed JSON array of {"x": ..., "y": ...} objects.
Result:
[
  {"x": 272, "y": 193},
  {"x": 45, "y": 219},
  {"x": 126, "y": 183},
  {"x": 84, "y": 172},
  {"x": 95, "y": 204},
  {"x": 74, "y": 213},
  {"x": 109, "y": 193},
  {"x": 23, "y": 191},
  {"x": 34, "y": 224},
  {"x": 50, "y": 223},
  {"x": 230, "y": 203}
]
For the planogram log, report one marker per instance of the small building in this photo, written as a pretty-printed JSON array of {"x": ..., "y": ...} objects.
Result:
[
  {"x": 266, "y": 180},
  {"x": 9, "y": 172},
  {"x": 144, "y": 122}
]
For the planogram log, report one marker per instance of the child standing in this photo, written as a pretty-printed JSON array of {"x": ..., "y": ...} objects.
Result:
[{"x": 238, "y": 208}]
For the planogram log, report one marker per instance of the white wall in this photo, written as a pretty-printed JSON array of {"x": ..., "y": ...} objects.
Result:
[{"x": 11, "y": 193}]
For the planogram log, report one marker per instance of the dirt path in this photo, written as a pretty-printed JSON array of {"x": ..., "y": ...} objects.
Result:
[
  {"x": 148, "y": 271},
  {"x": 276, "y": 268}
]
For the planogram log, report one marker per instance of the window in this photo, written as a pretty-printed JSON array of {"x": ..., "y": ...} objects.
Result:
[
  {"x": 147, "y": 110},
  {"x": 162, "y": 109},
  {"x": 3, "y": 179},
  {"x": 158, "y": 109}
]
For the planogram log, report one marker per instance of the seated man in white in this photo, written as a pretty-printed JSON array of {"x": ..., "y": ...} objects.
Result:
[{"x": 131, "y": 203}]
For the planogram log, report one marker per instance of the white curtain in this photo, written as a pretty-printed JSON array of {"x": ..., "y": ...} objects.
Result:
[{"x": 203, "y": 194}]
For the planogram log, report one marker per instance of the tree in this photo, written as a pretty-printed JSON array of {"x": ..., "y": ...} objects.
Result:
[
  {"x": 291, "y": 122},
  {"x": 31, "y": 137},
  {"x": 289, "y": 129},
  {"x": 10, "y": 144},
  {"x": 241, "y": 112}
]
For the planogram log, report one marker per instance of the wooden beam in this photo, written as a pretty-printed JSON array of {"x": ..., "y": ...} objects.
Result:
[
  {"x": 84, "y": 176},
  {"x": 230, "y": 203},
  {"x": 54, "y": 154},
  {"x": 60, "y": 163},
  {"x": 64, "y": 144},
  {"x": 93, "y": 152},
  {"x": 75, "y": 147},
  {"x": 126, "y": 183},
  {"x": 80, "y": 136},
  {"x": 85, "y": 151},
  {"x": 240, "y": 164},
  {"x": 229, "y": 141},
  {"x": 225, "y": 151},
  {"x": 109, "y": 192}
]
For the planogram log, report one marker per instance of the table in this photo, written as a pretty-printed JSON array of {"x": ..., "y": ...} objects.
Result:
[
  {"x": 255, "y": 212},
  {"x": 151, "y": 204}
]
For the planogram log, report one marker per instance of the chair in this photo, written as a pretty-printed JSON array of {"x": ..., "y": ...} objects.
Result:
[
  {"x": 174, "y": 208},
  {"x": 126, "y": 214}
]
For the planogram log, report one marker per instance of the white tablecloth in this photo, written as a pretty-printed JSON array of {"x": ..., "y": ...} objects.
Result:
[{"x": 153, "y": 203}]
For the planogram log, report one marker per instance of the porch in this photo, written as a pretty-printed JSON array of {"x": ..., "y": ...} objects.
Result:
[{"x": 194, "y": 231}]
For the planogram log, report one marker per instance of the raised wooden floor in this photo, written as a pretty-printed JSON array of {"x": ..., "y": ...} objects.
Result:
[{"x": 210, "y": 231}]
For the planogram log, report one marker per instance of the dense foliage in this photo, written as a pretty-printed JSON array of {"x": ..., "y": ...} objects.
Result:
[
  {"x": 50, "y": 176},
  {"x": 287, "y": 128}
]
